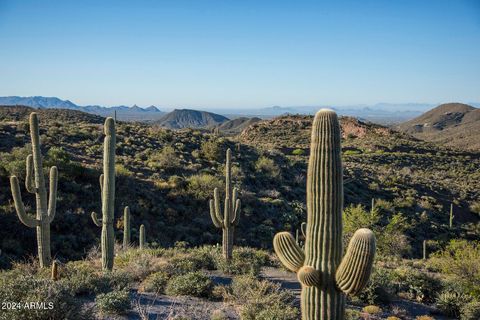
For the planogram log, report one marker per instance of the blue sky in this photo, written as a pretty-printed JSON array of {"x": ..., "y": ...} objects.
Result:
[{"x": 241, "y": 54}]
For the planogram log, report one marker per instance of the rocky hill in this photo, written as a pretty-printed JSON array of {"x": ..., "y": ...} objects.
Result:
[
  {"x": 452, "y": 124},
  {"x": 185, "y": 118},
  {"x": 237, "y": 125}
]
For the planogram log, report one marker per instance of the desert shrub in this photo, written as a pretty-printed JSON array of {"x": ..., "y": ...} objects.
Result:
[
  {"x": 81, "y": 277},
  {"x": 419, "y": 285},
  {"x": 351, "y": 314},
  {"x": 460, "y": 260},
  {"x": 183, "y": 261},
  {"x": 194, "y": 284},
  {"x": 58, "y": 301},
  {"x": 201, "y": 185},
  {"x": 379, "y": 288},
  {"x": 475, "y": 207},
  {"x": 137, "y": 263},
  {"x": 267, "y": 166},
  {"x": 450, "y": 303},
  {"x": 166, "y": 159},
  {"x": 261, "y": 299},
  {"x": 470, "y": 311},
  {"x": 115, "y": 302},
  {"x": 244, "y": 261},
  {"x": 371, "y": 309},
  {"x": 213, "y": 150},
  {"x": 156, "y": 282},
  {"x": 298, "y": 152}
]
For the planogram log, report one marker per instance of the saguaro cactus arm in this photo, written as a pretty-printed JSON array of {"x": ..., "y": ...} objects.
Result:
[
  {"x": 288, "y": 251},
  {"x": 19, "y": 207},
  {"x": 29, "y": 182},
  {"x": 218, "y": 223},
  {"x": 303, "y": 227},
  {"x": 96, "y": 220},
  {"x": 354, "y": 270},
  {"x": 218, "y": 210},
  {"x": 52, "y": 201}
]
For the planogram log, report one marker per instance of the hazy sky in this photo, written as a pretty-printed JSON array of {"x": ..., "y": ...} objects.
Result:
[{"x": 241, "y": 53}]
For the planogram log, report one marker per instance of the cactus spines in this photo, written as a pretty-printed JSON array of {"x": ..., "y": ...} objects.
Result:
[
  {"x": 107, "y": 188},
  {"x": 142, "y": 237},
  {"x": 231, "y": 213},
  {"x": 354, "y": 271},
  {"x": 35, "y": 183},
  {"x": 324, "y": 276},
  {"x": 126, "y": 228}
]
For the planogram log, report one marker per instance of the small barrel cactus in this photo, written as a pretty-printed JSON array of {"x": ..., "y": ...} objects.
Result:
[
  {"x": 35, "y": 183},
  {"x": 324, "y": 275},
  {"x": 107, "y": 188},
  {"x": 231, "y": 214}
]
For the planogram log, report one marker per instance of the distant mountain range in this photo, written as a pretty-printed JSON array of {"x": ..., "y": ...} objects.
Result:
[
  {"x": 124, "y": 113},
  {"x": 452, "y": 124},
  {"x": 383, "y": 113}
]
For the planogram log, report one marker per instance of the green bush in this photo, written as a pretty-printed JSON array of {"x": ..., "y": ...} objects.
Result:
[
  {"x": 213, "y": 150},
  {"x": 244, "y": 261},
  {"x": 450, "y": 303},
  {"x": 470, "y": 311},
  {"x": 156, "y": 282},
  {"x": 268, "y": 167},
  {"x": 298, "y": 152},
  {"x": 261, "y": 299},
  {"x": 194, "y": 284},
  {"x": 115, "y": 302},
  {"x": 418, "y": 284},
  {"x": 53, "y": 300},
  {"x": 201, "y": 185},
  {"x": 379, "y": 288},
  {"x": 460, "y": 260},
  {"x": 166, "y": 159}
]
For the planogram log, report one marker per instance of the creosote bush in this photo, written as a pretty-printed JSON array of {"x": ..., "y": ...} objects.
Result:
[
  {"x": 56, "y": 297},
  {"x": 261, "y": 299},
  {"x": 155, "y": 282},
  {"x": 195, "y": 284},
  {"x": 115, "y": 302}
]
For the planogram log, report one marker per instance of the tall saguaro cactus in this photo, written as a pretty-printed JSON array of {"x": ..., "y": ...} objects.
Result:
[
  {"x": 324, "y": 275},
  {"x": 126, "y": 228},
  {"x": 230, "y": 217},
  {"x": 35, "y": 183},
  {"x": 107, "y": 188}
]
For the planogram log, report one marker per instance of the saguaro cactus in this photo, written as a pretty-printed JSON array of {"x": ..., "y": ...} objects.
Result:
[
  {"x": 231, "y": 214},
  {"x": 324, "y": 275},
  {"x": 107, "y": 188},
  {"x": 35, "y": 183},
  {"x": 126, "y": 228},
  {"x": 142, "y": 237}
]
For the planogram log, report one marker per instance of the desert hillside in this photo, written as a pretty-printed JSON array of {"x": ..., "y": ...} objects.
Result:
[
  {"x": 455, "y": 125},
  {"x": 413, "y": 195}
]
